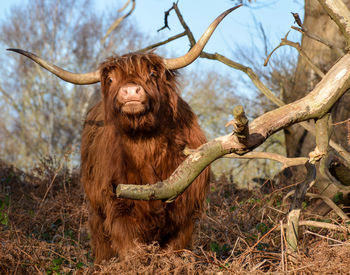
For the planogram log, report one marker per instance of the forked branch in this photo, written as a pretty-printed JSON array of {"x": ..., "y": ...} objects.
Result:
[
  {"x": 314, "y": 105},
  {"x": 286, "y": 42},
  {"x": 256, "y": 81}
]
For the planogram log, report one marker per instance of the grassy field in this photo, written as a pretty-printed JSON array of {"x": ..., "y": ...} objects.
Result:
[{"x": 43, "y": 230}]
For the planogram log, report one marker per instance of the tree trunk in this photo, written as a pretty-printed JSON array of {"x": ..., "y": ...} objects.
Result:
[
  {"x": 299, "y": 142},
  {"x": 316, "y": 20}
]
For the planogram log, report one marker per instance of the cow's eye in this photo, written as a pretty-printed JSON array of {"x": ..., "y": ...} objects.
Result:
[
  {"x": 152, "y": 74},
  {"x": 109, "y": 80}
]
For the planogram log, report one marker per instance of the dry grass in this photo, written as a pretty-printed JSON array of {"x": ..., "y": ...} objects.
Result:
[{"x": 234, "y": 237}]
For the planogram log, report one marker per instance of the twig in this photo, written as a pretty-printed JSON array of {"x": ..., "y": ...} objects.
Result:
[
  {"x": 285, "y": 245},
  {"x": 324, "y": 225},
  {"x": 60, "y": 255},
  {"x": 341, "y": 122},
  {"x": 258, "y": 265},
  {"x": 184, "y": 25},
  {"x": 162, "y": 42},
  {"x": 284, "y": 42},
  {"x": 277, "y": 210},
  {"x": 331, "y": 204},
  {"x": 234, "y": 247},
  {"x": 327, "y": 200},
  {"x": 282, "y": 246},
  {"x": 318, "y": 39},
  {"x": 287, "y": 162},
  {"x": 30, "y": 257},
  {"x": 166, "y": 15},
  {"x": 313, "y": 36},
  {"x": 250, "y": 249},
  {"x": 81, "y": 220},
  {"x": 293, "y": 271},
  {"x": 297, "y": 19},
  {"x": 51, "y": 183},
  {"x": 252, "y": 75},
  {"x": 271, "y": 53},
  {"x": 207, "y": 259},
  {"x": 325, "y": 237},
  {"x": 117, "y": 22}
]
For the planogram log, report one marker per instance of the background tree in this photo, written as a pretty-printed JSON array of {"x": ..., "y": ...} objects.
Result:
[{"x": 43, "y": 115}]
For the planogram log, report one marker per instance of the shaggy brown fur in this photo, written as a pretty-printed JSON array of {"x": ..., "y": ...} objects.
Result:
[{"x": 139, "y": 149}]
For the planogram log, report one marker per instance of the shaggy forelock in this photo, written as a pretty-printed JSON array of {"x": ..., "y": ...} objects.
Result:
[{"x": 136, "y": 65}]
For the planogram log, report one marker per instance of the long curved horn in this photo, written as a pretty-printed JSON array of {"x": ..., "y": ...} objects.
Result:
[
  {"x": 192, "y": 55},
  {"x": 80, "y": 79}
]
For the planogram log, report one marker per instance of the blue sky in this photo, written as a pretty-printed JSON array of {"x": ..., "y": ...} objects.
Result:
[{"x": 238, "y": 28}]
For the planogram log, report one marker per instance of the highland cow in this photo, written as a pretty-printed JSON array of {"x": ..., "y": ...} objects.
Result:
[
  {"x": 147, "y": 126},
  {"x": 136, "y": 135}
]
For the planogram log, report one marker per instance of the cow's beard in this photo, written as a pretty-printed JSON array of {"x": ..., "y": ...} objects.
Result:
[
  {"x": 137, "y": 121},
  {"x": 133, "y": 108}
]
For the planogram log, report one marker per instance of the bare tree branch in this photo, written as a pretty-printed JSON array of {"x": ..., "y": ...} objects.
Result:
[
  {"x": 287, "y": 162},
  {"x": 257, "y": 82},
  {"x": 269, "y": 94},
  {"x": 284, "y": 42},
  {"x": 252, "y": 75},
  {"x": 324, "y": 225},
  {"x": 319, "y": 39},
  {"x": 340, "y": 14},
  {"x": 166, "y": 15},
  {"x": 117, "y": 22},
  {"x": 297, "y": 19},
  {"x": 295, "y": 208},
  {"x": 314, "y": 105},
  {"x": 331, "y": 204},
  {"x": 150, "y": 47},
  {"x": 184, "y": 25},
  {"x": 323, "y": 133}
]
